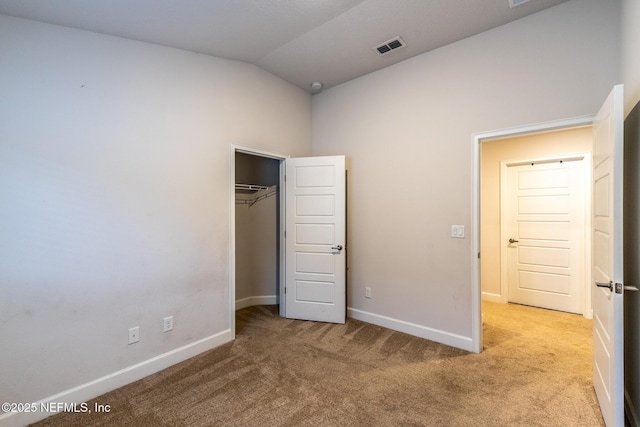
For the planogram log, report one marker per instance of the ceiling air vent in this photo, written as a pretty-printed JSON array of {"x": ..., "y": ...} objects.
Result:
[
  {"x": 514, "y": 3},
  {"x": 388, "y": 46}
]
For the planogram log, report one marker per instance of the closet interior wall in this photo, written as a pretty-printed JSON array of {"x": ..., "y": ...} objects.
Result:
[{"x": 257, "y": 230}]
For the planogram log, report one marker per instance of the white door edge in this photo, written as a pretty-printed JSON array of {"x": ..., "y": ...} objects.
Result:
[
  {"x": 474, "y": 232},
  {"x": 608, "y": 307},
  {"x": 233, "y": 149}
]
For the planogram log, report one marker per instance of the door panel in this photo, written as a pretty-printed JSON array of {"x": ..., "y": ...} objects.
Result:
[
  {"x": 315, "y": 292},
  {"x": 545, "y": 282},
  {"x": 545, "y": 178},
  {"x": 543, "y": 257},
  {"x": 543, "y": 205},
  {"x": 315, "y": 234},
  {"x": 608, "y": 357},
  {"x": 559, "y": 230},
  {"x": 545, "y": 213},
  {"x": 315, "y": 271},
  {"x": 316, "y": 205},
  {"x": 314, "y": 263}
]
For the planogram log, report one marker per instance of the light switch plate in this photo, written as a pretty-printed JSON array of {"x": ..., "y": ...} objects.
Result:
[{"x": 457, "y": 231}]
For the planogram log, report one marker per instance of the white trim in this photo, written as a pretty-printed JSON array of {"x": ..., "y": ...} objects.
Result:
[
  {"x": 474, "y": 234},
  {"x": 234, "y": 148},
  {"x": 282, "y": 283},
  {"x": 535, "y": 128},
  {"x": 491, "y": 297},
  {"x": 232, "y": 238},
  {"x": 476, "y": 140},
  {"x": 257, "y": 152},
  {"x": 256, "y": 300},
  {"x": 447, "y": 338},
  {"x": 588, "y": 305},
  {"x": 504, "y": 280},
  {"x": 109, "y": 382}
]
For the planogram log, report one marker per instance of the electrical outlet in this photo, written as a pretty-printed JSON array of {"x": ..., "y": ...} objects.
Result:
[
  {"x": 367, "y": 292},
  {"x": 167, "y": 323},
  {"x": 134, "y": 334}
]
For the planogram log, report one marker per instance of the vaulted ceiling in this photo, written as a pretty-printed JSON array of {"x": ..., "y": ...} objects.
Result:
[{"x": 301, "y": 41}]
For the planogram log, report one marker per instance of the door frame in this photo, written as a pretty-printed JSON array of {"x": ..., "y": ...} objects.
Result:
[
  {"x": 232, "y": 224},
  {"x": 476, "y": 140},
  {"x": 587, "y": 310}
]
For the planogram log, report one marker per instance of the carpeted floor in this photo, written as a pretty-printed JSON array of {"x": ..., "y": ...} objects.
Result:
[{"x": 535, "y": 370}]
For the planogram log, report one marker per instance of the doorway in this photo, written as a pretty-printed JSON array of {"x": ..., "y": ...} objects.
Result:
[
  {"x": 256, "y": 257},
  {"x": 256, "y": 216},
  {"x": 509, "y": 144},
  {"x": 312, "y": 205}
]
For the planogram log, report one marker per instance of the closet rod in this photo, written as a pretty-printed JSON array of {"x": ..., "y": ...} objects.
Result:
[
  {"x": 263, "y": 196},
  {"x": 257, "y": 196}
]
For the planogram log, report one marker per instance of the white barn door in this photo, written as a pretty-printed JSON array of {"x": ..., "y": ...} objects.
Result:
[
  {"x": 608, "y": 346},
  {"x": 315, "y": 236},
  {"x": 545, "y": 250}
]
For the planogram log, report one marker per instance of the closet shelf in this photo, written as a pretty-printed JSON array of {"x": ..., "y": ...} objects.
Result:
[
  {"x": 250, "y": 187},
  {"x": 254, "y": 194}
]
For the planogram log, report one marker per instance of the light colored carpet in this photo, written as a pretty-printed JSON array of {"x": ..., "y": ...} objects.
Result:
[{"x": 535, "y": 370}]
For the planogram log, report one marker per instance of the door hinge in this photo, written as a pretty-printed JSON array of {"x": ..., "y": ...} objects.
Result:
[{"x": 478, "y": 255}]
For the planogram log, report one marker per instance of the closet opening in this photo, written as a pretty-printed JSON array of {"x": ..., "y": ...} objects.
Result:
[{"x": 255, "y": 248}]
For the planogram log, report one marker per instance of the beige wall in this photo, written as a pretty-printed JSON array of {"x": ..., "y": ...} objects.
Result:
[
  {"x": 407, "y": 134},
  {"x": 115, "y": 189},
  {"x": 536, "y": 146},
  {"x": 256, "y": 252},
  {"x": 244, "y": 272}
]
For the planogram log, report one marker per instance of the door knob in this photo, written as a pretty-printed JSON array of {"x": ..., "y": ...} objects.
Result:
[
  {"x": 513, "y": 241},
  {"x": 337, "y": 248},
  {"x": 619, "y": 287}
]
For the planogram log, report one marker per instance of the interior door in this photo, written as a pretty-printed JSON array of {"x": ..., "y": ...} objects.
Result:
[
  {"x": 315, "y": 239},
  {"x": 545, "y": 250},
  {"x": 608, "y": 356}
]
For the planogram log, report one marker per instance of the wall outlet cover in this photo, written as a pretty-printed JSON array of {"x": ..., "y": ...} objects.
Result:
[
  {"x": 167, "y": 324},
  {"x": 134, "y": 334}
]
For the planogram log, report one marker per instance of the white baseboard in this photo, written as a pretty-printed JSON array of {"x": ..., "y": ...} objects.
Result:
[
  {"x": 630, "y": 410},
  {"x": 453, "y": 340},
  {"x": 259, "y": 300},
  {"x": 497, "y": 298},
  {"x": 99, "y": 386},
  {"x": 490, "y": 297}
]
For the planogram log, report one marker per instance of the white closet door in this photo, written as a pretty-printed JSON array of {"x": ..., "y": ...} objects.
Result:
[{"x": 315, "y": 260}]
